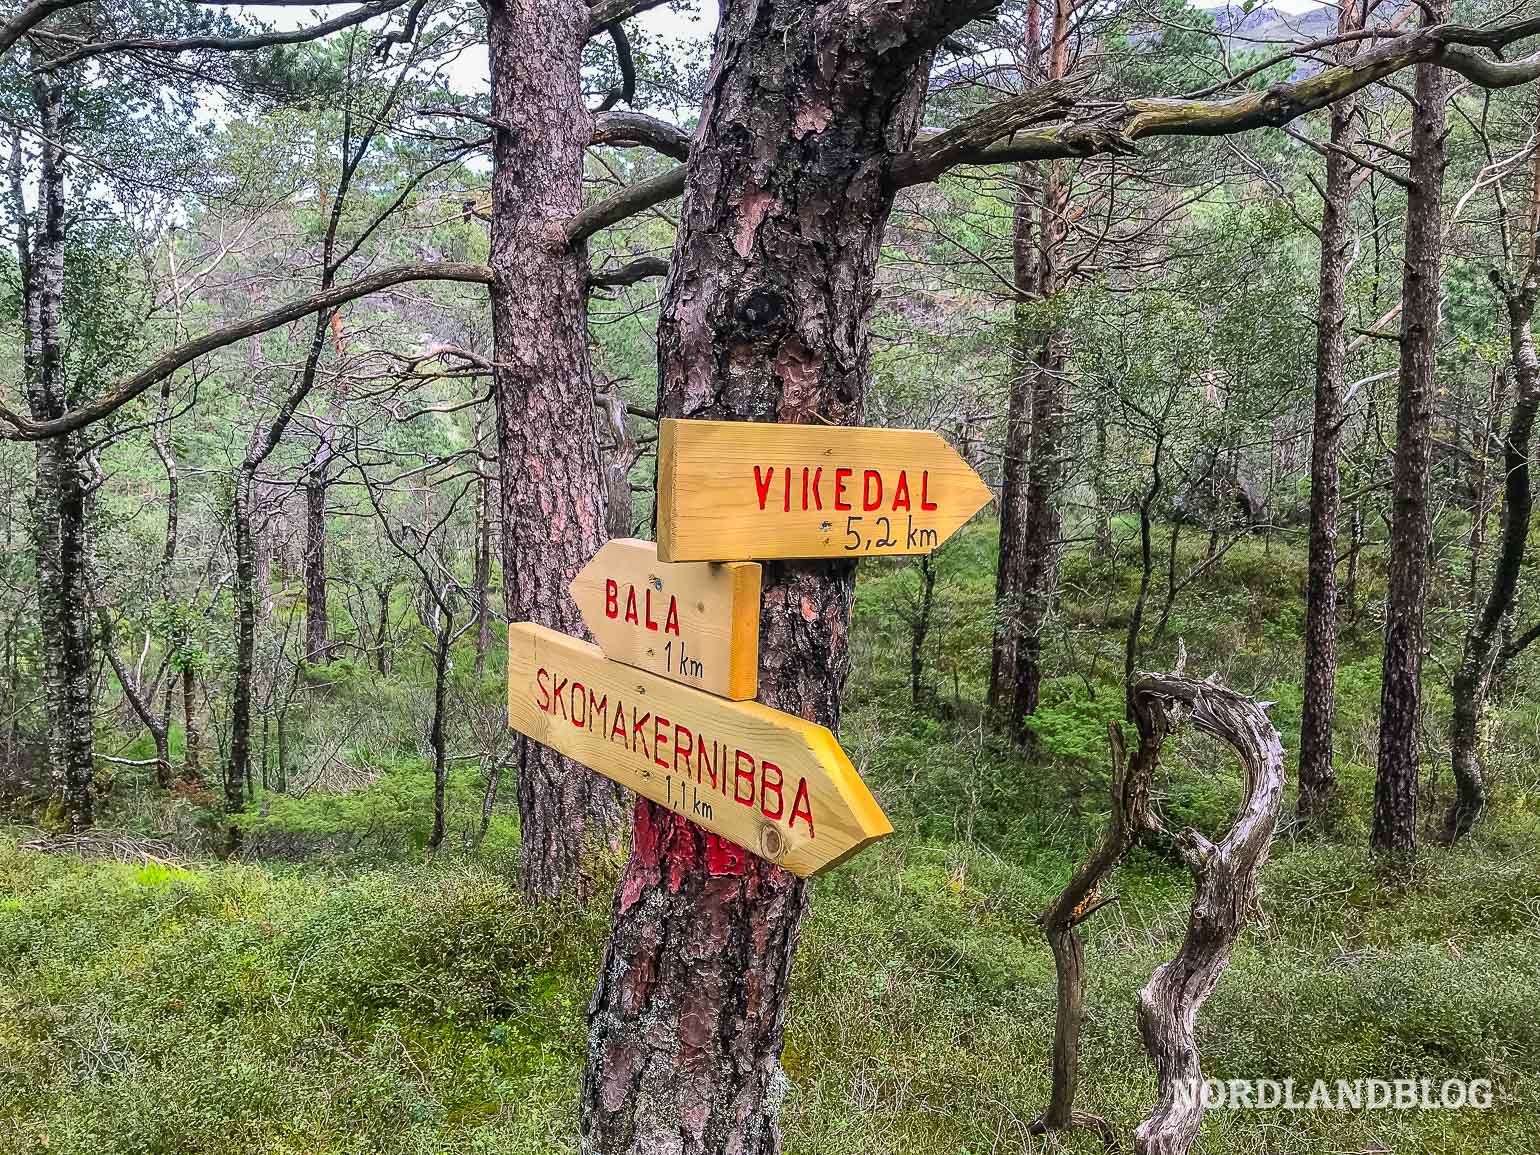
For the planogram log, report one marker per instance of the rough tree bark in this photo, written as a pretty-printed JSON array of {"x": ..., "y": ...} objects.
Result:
[
  {"x": 59, "y": 495},
  {"x": 552, "y": 505},
  {"x": 1317, "y": 777},
  {"x": 1017, "y": 450},
  {"x": 1394, "y": 831},
  {"x": 763, "y": 318},
  {"x": 1473, "y": 679}
]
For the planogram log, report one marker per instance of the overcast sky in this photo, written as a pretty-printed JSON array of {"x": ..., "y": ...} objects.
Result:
[{"x": 469, "y": 73}]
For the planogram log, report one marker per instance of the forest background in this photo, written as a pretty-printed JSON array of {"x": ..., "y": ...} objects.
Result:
[{"x": 279, "y": 878}]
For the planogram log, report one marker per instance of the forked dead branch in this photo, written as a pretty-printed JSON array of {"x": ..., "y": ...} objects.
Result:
[{"x": 1224, "y": 901}]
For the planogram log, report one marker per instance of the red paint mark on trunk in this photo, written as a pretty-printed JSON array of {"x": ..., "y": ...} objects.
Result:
[{"x": 725, "y": 859}]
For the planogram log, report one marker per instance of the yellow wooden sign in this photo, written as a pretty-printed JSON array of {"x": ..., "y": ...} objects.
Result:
[
  {"x": 730, "y": 490},
  {"x": 773, "y": 783},
  {"x": 694, "y": 622}
]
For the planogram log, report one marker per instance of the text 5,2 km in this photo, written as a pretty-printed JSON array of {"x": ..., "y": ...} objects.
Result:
[{"x": 879, "y": 535}]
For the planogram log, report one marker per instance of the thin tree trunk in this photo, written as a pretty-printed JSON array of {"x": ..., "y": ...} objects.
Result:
[
  {"x": 382, "y": 639},
  {"x": 1317, "y": 775},
  {"x": 921, "y": 629},
  {"x": 192, "y": 754},
  {"x": 764, "y": 318},
  {"x": 436, "y": 740},
  {"x": 552, "y": 505},
  {"x": 245, "y": 652},
  {"x": 1042, "y": 545},
  {"x": 1483, "y": 641},
  {"x": 1018, "y": 430},
  {"x": 317, "y": 628},
  {"x": 1394, "y": 831},
  {"x": 483, "y": 576}
]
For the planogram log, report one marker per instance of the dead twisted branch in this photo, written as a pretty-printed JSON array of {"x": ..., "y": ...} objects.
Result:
[{"x": 1226, "y": 873}]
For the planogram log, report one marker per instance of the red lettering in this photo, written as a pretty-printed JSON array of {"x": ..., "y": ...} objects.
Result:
[
  {"x": 767, "y": 786},
  {"x": 762, "y": 485},
  {"x": 611, "y": 598},
  {"x": 740, "y": 776},
  {"x": 579, "y": 698},
  {"x": 803, "y": 807},
  {"x": 631, "y": 606},
  {"x": 804, "y": 487},
  {"x": 901, "y": 491},
  {"x": 647, "y": 596},
  {"x": 817, "y": 477},
  {"x": 867, "y": 500},
  {"x": 601, "y": 707},
  {"x": 659, "y": 739},
  {"x": 704, "y": 765},
  {"x": 839, "y": 488},
  {"x": 787, "y": 503},
  {"x": 618, "y": 726},
  {"x": 925, "y": 501},
  {"x": 561, "y": 701},
  {"x": 671, "y": 623},
  {"x": 543, "y": 680},
  {"x": 637, "y": 725},
  {"x": 683, "y": 742}
]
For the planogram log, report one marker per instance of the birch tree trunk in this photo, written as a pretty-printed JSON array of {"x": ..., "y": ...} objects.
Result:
[{"x": 59, "y": 495}]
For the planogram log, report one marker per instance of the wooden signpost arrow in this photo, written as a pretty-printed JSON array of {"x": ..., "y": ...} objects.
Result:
[
  {"x": 737, "y": 489},
  {"x": 773, "y": 783},
  {"x": 696, "y": 623}
]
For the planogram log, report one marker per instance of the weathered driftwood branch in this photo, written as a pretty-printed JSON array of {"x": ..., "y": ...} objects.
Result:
[
  {"x": 1227, "y": 873},
  {"x": 1081, "y": 898},
  {"x": 1226, "y": 895}
]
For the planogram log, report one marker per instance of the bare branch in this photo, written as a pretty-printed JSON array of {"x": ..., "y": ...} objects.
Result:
[
  {"x": 23, "y": 429},
  {"x": 632, "y": 128}
]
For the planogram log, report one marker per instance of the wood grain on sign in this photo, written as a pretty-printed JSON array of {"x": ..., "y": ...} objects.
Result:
[
  {"x": 730, "y": 490},
  {"x": 775, "y": 784},
  {"x": 694, "y": 622}
]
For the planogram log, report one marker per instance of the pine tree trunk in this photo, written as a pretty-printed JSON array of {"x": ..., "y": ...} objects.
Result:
[
  {"x": 1017, "y": 451},
  {"x": 1394, "y": 832},
  {"x": 764, "y": 318},
  {"x": 1317, "y": 775},
  {"x": 1041, "y": 544},
  {"x": 552, "y": 505}
]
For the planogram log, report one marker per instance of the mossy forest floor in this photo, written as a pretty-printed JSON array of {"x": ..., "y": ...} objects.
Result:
[{"x": 361, "y": 1000}]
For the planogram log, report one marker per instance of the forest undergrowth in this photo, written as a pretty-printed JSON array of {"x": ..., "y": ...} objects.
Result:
[{"x": 334, "y": 992}]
